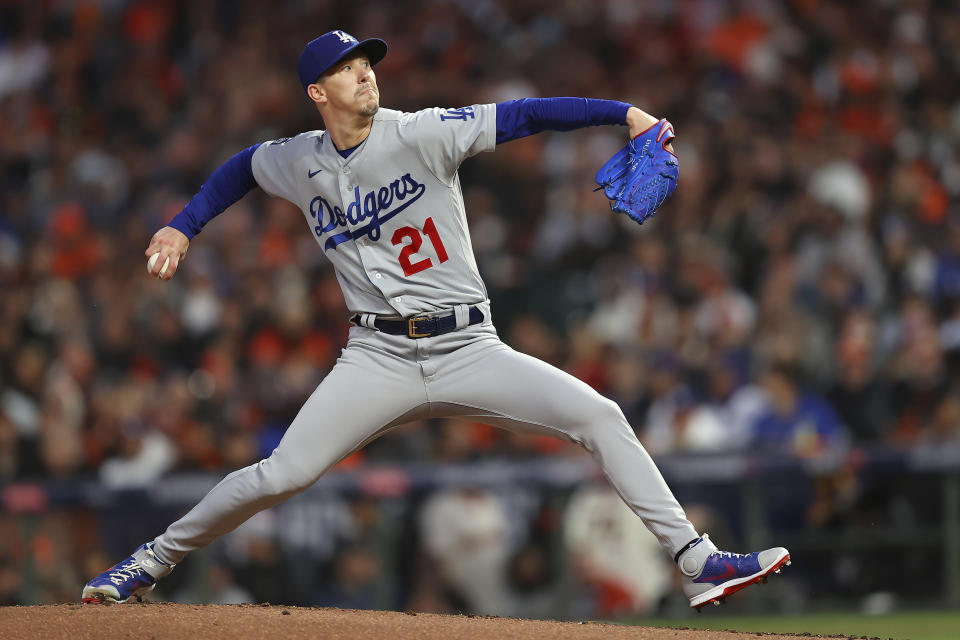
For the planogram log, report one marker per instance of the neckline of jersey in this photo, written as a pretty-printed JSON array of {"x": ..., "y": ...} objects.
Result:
[
  {"x": 345, "y": 153},
  {"x": 354, "y": 151}
]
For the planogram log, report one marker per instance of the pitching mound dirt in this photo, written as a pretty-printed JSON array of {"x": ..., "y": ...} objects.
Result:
[{"x": 162, "y": 621}]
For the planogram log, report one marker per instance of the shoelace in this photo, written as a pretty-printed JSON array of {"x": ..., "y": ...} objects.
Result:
[{"x": 130, "y": 570}]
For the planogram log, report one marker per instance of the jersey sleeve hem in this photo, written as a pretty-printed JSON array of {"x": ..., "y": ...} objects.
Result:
[{"x": 492, "y": 131}]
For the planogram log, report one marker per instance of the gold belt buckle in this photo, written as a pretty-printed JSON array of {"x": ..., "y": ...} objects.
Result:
[{"x": 412, "y": 327}]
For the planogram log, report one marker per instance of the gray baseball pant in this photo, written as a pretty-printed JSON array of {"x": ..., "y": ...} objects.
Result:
[{"x": 382, "y": 381}]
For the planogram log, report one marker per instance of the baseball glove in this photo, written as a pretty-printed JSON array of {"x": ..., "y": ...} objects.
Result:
[{"x": 639, "y": 177}]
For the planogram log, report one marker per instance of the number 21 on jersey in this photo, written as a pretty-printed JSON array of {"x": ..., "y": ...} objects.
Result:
[{"x": 416, "y": 241}]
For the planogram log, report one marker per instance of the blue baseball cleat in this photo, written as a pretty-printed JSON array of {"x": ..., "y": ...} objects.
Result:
[
  {"x": 710, "y": 575},
  {"x": 130, "y": 578}
]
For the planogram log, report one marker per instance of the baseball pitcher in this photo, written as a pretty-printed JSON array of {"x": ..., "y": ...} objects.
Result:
[{"x": 380, "y": 193}]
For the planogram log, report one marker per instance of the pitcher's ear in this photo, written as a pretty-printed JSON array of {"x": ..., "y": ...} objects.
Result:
[{"x": 317, "y": 93}]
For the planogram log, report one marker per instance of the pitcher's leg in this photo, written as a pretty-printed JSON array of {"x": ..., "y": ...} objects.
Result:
[
  {"x": 513, "y": 390},
  {"x": 363, "y": 394}
]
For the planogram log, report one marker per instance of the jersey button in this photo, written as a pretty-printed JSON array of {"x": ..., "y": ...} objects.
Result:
[
  {"x": 397, "y": 299},
  {"x": 378, "y": 276}
]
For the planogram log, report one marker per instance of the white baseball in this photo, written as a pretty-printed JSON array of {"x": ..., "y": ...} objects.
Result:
[{"x": 153, "y": 260}]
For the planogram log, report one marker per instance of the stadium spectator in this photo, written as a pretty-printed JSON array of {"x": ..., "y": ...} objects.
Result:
[{"x": 797, "y": 421}]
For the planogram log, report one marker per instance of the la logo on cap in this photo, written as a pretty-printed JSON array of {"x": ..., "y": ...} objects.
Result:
[{"x": 344, "y": 37}]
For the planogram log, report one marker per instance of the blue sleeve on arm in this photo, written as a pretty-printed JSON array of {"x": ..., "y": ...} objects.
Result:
[
  {"x": 520, "y": 118},
  {"x": 228, "y": 184}
]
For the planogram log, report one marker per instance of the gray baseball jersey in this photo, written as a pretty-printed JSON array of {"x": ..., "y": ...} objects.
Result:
[
  {"x": 390, "y": 216},
  {"x": 391, "y": 219}
]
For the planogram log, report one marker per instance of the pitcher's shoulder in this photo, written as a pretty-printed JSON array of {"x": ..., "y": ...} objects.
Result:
[
  {"x": 306, "y": 137},
  {"x": 406, "y": 117},
  {"x": 290, "y": 147},
  {"x": 389, "y": 115},
  {"x": 441, "y": 115},
  {"x": 412, "y": 120}
]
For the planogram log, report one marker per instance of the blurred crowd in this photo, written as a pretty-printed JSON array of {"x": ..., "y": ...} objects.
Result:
[{"x": 799, "y": 294}]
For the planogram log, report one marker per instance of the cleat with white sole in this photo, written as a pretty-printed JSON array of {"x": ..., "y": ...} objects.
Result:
[
  {"x": 710, "y": 575},
  {"x": 130, "y": 578}
]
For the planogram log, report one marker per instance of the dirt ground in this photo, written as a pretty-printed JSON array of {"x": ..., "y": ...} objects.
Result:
[{"x": 161, "y": 621}]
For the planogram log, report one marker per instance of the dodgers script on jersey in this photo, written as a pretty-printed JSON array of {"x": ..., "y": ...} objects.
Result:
[{"x": 390, "y": 216}]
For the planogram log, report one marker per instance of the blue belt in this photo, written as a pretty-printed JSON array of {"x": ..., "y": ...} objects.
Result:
[{"x": 422, "y": 326}]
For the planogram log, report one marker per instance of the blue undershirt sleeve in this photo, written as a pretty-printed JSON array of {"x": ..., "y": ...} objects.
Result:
[
  {"x": 230, "y": 182},
  {"x": 524, "y": 117}
]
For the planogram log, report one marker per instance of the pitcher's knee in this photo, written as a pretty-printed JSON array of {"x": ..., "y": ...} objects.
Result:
[
  {"x": 283, "y": 477},
  {"x": 604, "y": 418},
  {"x": 608, "y": 413},
  {"x": 603, "y": 414}
]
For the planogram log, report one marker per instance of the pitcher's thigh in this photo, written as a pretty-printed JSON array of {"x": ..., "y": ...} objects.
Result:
[
  {"x": 498, "y": 382},
  {"x": 362, "y": 395}
]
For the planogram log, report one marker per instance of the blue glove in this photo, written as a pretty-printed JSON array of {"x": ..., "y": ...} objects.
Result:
[{"x": 639, "y": 177}]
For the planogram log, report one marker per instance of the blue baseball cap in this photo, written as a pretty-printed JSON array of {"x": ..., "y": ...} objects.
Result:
[{"x": 322, "y": 53}]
